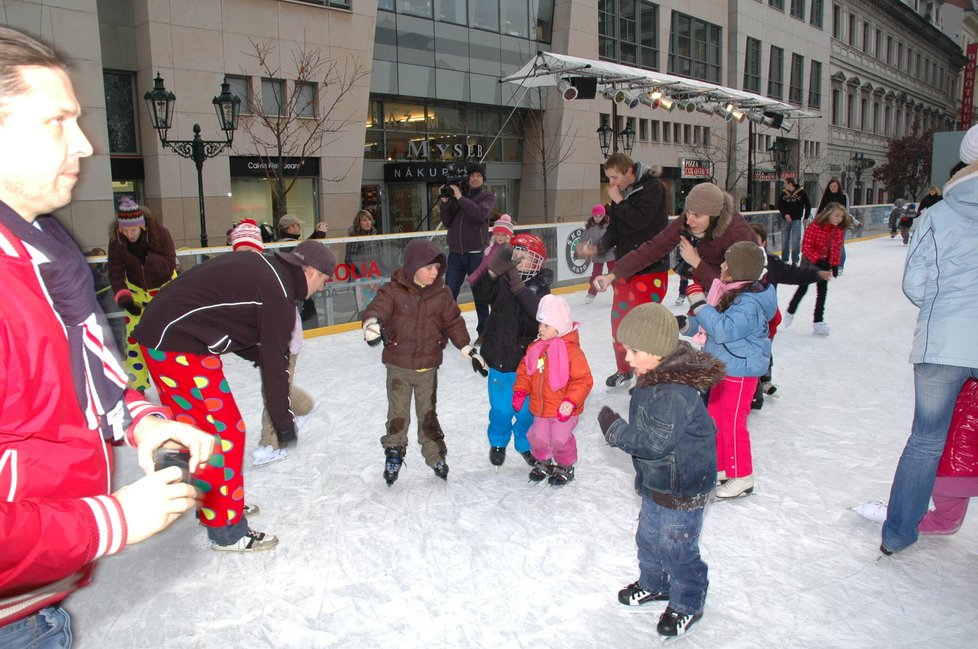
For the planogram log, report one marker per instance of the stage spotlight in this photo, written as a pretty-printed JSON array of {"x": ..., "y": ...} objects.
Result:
[{"x": 568, "y": 91}]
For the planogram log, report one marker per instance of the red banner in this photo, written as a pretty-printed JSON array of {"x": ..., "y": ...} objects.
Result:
[{"x": 968, "y": 88}]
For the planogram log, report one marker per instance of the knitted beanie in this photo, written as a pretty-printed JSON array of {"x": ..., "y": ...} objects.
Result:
[
  {"x": 651, "y": 328},
  {"x": 503, "y": 225},
  {"x": 246, "y": 235},
  {"x": 554, "y": 311},
  {"x": 969, "y": 146},
  {"x": 746, "y": 261},
  {"x": 130, "y": 214},
  {"x": 598, "y": 210},
  {"x": 705, "y": 199}
]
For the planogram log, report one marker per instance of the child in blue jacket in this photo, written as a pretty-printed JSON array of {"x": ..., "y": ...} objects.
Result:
[
  {"x": 734, "y": 317},
  {"x": 670, "y": 437}
]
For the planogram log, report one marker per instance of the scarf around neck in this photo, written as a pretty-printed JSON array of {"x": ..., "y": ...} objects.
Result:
[
  {"x": 97, "y": 376},
  {"x": 558, "y": 365}
]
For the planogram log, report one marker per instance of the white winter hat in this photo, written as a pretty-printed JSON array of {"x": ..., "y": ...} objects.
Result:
[{"x": 969, "y": 146}]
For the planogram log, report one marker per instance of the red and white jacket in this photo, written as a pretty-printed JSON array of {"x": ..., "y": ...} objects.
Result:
[
  {"x": 56, "y": 515},
  {"x": 823, "y": 242}
]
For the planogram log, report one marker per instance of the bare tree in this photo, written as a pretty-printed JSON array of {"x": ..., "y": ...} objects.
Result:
[
  {"x": 546, "y": 148},
  {"x": 303, "y": 115},
  {"x": 723, "y": 150}
]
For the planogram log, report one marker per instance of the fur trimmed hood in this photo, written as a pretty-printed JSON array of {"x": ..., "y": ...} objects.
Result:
[
  {"x": 685, "y": 366},
  {"x": 723, "y": 219}
]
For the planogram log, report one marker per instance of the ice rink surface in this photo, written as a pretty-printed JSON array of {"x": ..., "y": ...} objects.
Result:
[{"x": 491, "y": 560}]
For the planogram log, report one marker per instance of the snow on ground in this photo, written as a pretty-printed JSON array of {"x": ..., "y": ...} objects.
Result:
[{"x": 491, "y": 560}]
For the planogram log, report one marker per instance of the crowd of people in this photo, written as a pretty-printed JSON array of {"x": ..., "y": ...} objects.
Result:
[{"x": 687, "y": 424}]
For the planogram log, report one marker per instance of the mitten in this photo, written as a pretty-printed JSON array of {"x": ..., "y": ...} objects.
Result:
[
  {"x": 287, "y": 438},
  {"x": 501, "y": 262},
  {"x": 696, "y": 297},
  {"x": 683, "y": 324},
  {"x": 519, "y": 398},
  {"x": 565, "y": 410},
  {"x": 373, "y": 331},
  {"x": 125, "y": 300},
  {"x": 515, "y": 281},
  {"x": 606, "y": 419},
  {"x": 469, "y": 353}
]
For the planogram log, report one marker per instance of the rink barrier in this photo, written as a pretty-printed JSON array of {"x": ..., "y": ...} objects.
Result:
[{"x": 340, "y": 305}]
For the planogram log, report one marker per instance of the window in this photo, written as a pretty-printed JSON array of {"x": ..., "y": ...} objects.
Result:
[
  {"x": 864, "y": 114},
  {"x": 795, "y": 87},
  {"x": 836, "y": 98},
  {"x": 120, "y": 111},
  {"x": 752, "y": 66},
  {"x": 272, "y": 95},
  {"x": 851, "y": 36},
  {"x": 798, "y": 9},
  {"x": 451, "y": 11},
  {"x": 836, "y": 21},
  {"x": 342, "y": 4},
  {"x": 515, "y": 20},
  {"x": 305, "y": 99},
  {"x": 866, "y": 40},
  {"x": 850, "y": 110},
  {"x": 419, "y": 8},
  {"x": 876, "y": 117},
  {"x": 817, "y": 11},
  {"x": 815, "y": 85},
  {"x": 879, "y": 43},
  {"x": 889, "y": 49},
  {"x": 241, "y": 87},
  {"x": 694, "y": 48},
  {"x": 777, "y": 4},
  {"x": 775, "y": 73},
  {"x": 643, "y": 130},
  {"x": 655, "y": 131},
  {"x": 628, "y": 32}
]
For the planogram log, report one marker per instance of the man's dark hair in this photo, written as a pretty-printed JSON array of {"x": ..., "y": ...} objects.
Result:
[{"x": 17, "y": 51}]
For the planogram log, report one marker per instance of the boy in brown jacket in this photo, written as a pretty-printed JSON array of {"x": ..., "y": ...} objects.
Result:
[{"x": 415, "y": 315}]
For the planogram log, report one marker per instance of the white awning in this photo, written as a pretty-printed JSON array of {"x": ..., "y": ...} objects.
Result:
[{"x": 549, "y": 69}]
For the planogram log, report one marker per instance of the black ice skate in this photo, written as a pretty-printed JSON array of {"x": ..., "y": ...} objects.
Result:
[
  {"x": 635, "y": 595},
  {"x": 441, "y": 469},
  {"x": 528, "y": 456},
  {"x": 497, "y": 455},
  {"x": 561, "y": 475},
  {"x": 541, "y": 470},
  {"x": 395, "y": 458},
  {"x": 672, "y": 623},
  {"x": 619, "y": 381}
]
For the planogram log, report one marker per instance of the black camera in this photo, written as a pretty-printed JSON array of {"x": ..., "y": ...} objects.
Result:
[
  {"x": 682, "y": 267},
  {"x": 454, "y": 177}
]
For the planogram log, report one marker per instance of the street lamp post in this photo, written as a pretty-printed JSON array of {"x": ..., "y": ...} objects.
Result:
[
  {"x": 858, "y": 164},
  {"x": 160, "y": 103},
  {"x": 609, "y": 139},
  {"x": 779, "y": 153}
]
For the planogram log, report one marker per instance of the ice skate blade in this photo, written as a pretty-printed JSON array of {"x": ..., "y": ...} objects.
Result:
[
  {"x": 669, "y": 639},
  {"x": 627, "y": 385},
  {"x": 742, "y": 494}
]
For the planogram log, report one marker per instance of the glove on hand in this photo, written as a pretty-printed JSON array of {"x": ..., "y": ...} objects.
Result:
[
  {"x": 469, "y": 353},
  {"x": 126, "y": 302},
  {"x": 606, "y": 418},
  {"x": 287, "y": 438},
  {"x": 565, "y": 410},
  {"x": 373, "y": 332},
  {"x": 515, "y": 281},
  {"x": 502, "y": 261},
  {"x": 696, "y": 297},
  {"x": 519, "y": 398},
  {"x": 683, "y": 325}
]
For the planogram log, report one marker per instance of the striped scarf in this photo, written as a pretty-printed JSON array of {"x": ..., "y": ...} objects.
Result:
[{"x": 97, "y": 375}]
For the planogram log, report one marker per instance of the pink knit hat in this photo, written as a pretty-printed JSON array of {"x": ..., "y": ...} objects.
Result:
[
  {"x": 246, "y": 235},
  {"x": 598, "y": 210},
  {"x": 503, "y": 225},
  {"x": 555, "y": 312}
]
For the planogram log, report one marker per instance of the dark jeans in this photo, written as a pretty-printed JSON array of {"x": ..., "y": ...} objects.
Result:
[
  {"x": 49, "y": 628},
  {"x": 669, "y": 555},
  {"x": 230, "y": 534},
  {"x": 461, "y": 265},
  {"x": 821, "y": 291}
]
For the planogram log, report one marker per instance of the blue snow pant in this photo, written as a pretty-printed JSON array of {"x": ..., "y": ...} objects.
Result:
[{"x": 501, "y": 413}]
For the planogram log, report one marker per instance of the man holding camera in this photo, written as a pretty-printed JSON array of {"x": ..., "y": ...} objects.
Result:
[
  {"x": 638, "y": 213},
  {"x": 466, "y": 217}
]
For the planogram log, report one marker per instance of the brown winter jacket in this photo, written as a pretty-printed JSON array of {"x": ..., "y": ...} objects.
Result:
[
  {"x": 419, "y": 321},
  {"x": 727, "y": 229},
  {"x": 154, "y": 272}
]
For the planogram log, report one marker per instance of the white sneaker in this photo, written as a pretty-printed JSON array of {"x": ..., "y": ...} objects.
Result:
[
  {"x": 680, "y": 300},
  {"x": 873, "y": 511},
  {"x": 721, "y": 476},
  {"x": 264, "y": 455},
  {"x": 251, "y": 542},
  {"x": 588, "y": 298},
  {"x": 787, "y": 319},
  {"x": 736, "y": 487},
  {"x": 821, "y": 329}
]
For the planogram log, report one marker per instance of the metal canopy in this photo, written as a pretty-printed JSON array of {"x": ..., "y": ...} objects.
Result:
[{"x": 548, "y": 69}]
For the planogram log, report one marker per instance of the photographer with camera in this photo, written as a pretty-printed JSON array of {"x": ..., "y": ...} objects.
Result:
[
  {"x": 637, "y": 213},
  {"x": 465, "y": 209}
]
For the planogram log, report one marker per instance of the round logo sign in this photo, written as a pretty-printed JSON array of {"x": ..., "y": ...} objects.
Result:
[{"x": 577, "y": 265}]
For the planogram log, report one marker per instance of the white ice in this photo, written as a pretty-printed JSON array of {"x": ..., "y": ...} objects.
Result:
[{"x": 491, "y": 560}]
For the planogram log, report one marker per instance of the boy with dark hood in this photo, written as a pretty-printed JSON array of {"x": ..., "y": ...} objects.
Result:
[{"x": 415, "y": 315}]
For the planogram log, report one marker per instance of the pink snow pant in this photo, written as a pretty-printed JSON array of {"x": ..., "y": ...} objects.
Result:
[
  {"x": 195, "y": 389},
  {"x": 629, "y": 293},
  {"x": 729, "y": 406},
  {"x": 950, "y": 497},
  {"x": 550, "y": 438}
]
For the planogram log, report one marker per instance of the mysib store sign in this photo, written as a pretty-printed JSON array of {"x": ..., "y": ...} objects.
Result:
[{"x": 422, "y": 151}]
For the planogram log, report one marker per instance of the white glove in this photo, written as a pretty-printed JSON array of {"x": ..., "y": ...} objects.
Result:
[
  {"x": 469, "y": 353},
  {"x": 371, "y": 331}
]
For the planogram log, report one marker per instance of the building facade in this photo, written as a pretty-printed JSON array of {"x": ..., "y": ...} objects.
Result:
[{"x": 408, "y": 91}]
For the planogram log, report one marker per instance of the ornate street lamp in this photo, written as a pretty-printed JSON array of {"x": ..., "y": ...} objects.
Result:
[
  {"x": 160, "y": 103},
  {"x": 627, "y": 136},
  {"x": 859, "y": 163},
  {"x": 605, "y": 134},
  {"x": 779, "y": 154}
]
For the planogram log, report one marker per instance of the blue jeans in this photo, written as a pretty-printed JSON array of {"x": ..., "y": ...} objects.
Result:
[
  {"x": 501, "y": 413},
  {"x": 230, "y": 534},
  {"x": 461, "y": 265},
  {"x": 49, "y": 628},
  {"x": 669, "y": 555},
  {"x": 936, "y": 389},
  {"x": 791, "y": 241}
]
